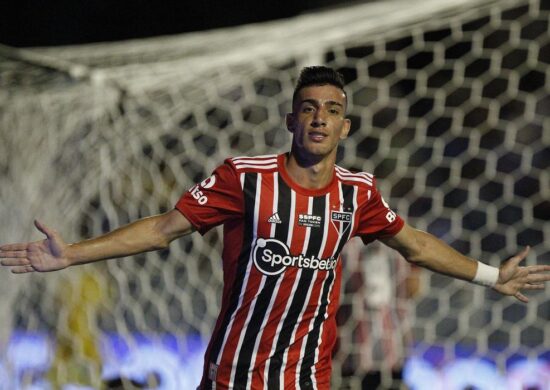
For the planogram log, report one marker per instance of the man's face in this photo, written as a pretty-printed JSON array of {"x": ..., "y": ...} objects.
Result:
[{"x": 318, "y": 120}]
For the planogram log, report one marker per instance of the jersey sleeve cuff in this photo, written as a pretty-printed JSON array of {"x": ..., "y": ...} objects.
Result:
[
  {"x": 394, "y": 229},
  {"x": 190, "y": 217}
]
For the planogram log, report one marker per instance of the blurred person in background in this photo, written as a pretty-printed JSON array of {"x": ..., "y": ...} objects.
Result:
[{"x": 378, "y": 285}]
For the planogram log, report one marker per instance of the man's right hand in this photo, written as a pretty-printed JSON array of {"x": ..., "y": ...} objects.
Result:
[{"x": 49, "y": 254}]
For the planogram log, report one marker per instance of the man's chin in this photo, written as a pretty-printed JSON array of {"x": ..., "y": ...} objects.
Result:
[
  {"x": 319, "y": 150},
  {"x": 311, "y": 153}
]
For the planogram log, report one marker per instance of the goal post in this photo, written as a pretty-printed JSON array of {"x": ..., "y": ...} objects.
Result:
[{"x": 449, "y": 103}]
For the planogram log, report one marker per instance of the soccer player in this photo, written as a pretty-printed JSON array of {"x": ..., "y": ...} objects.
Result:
[
  {"x": 381, "y": 286},
  {"x": 286, "y": 219}
]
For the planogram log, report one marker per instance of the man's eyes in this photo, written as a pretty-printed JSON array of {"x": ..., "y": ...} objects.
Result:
[{"x": 334, "y": 111}]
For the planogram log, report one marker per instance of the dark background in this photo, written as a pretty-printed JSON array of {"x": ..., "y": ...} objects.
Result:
[{"x": 28, "y": 23}]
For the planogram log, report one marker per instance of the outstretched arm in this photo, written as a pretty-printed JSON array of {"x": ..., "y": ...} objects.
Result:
[
  {"x": 430, "y": 252},
  {"x": 53, "y": 253}
]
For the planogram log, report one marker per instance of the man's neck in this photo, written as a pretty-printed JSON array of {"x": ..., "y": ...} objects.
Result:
[{"x": 310, "y": 174}]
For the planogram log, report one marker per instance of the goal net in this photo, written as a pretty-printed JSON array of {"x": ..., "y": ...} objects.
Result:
[{"x": 449, "y": 103}]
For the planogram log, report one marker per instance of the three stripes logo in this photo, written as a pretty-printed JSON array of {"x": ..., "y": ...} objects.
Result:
[{"x": 275, "y": 218}]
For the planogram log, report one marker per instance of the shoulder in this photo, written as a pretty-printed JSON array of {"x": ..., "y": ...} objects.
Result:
[
  {"x": 361, "y": 179},
  {"x": 264, "y": 163}
]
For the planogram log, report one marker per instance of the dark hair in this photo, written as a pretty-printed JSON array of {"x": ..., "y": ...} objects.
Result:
[{"x": 318, "y": 75}]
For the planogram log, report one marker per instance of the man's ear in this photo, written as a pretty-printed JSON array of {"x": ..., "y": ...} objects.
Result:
[
  {"x": 290, "y": 122},
  {"x": 346, "y": 129}
]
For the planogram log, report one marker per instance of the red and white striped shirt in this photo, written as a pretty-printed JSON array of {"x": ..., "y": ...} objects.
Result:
[{"x": 282, "y": 268}]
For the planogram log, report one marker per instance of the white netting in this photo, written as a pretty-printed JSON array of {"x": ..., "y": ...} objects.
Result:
[{"x": 449, "y": 104}]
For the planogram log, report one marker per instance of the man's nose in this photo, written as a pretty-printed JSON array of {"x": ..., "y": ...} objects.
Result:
[{"x": 319, "y": 119}]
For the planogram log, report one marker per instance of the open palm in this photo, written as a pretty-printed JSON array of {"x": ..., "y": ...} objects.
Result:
[
  {"x": 42, "y": 256},
  {"x": 513, "y": 278}
]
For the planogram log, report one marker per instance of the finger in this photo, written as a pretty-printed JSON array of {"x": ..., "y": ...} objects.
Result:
[
  {"x": 10, "y": 254},
  {"x": 13, "y": 247},
  {"x": 538, "y": 278},
  {"x": 518, "y": 258},
  {"x": 522, "y": 298},
  {"x": 22, "y": 270},
  {"x": 15, "y": 262},
  {"x": 538, "y": 268},
  {"x": 43, "y": 228},
  {"x": 533, "y": 286}
]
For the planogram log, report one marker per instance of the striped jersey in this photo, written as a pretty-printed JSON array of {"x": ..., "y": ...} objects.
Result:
[{"x": 282, "y": 268}]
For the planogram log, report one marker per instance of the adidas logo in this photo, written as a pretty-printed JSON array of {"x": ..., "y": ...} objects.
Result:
[{"x": 275, "y": 219}]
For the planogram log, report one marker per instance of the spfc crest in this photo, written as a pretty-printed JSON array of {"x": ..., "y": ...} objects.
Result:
[{"x": 340, "y": 220}]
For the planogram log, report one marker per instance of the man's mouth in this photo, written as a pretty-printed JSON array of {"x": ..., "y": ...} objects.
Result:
[{"x": 317, "y": 136}]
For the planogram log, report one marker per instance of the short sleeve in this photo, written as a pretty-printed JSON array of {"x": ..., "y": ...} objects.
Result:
[
  {"x": 377, "y": 220},
  {"x": 214, "y": 201}
]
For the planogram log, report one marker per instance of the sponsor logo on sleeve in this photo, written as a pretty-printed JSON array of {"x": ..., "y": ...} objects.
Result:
[
  {"x": 390, "y": 216},
  {"x": 196, "y": 191}
]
